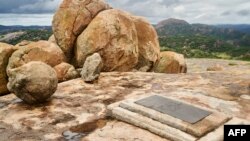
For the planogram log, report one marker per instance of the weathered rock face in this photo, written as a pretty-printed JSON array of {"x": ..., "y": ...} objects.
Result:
[
  {"x": 43, "y": 51},
  {"x": 149, "y": 48},
  {"x": 72, "y": 17},
  {"x": 75, "y": 103},
  {"x": 171, "y": 62},
  {"x": 125, "y": 42},
  {"x": 112, "y": 33},
  {"x": 52, "y": 39},
  {"x": 33, "y": 82},
  {"x": 23, "y": 43},
  {"x": 92, "y": 68},
  {"x": 216, "y": 67},
  {"x": 5, "y": 53},
  {"x": 65, "y": 72}
]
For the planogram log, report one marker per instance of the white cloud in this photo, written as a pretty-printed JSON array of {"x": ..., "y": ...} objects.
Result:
[
  {"x": 25, "y": 19},
  {"x": 193, "y": 11},
  {"x": 179, "y": 9}
]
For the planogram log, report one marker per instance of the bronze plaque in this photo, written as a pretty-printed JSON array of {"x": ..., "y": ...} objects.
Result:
[{"x": 174, "y": 108}]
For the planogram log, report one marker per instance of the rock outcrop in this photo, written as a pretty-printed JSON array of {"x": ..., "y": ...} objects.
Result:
[
  {"x": 113, "y": 35},
  {"x": 148, "y": 44},
  {"x": 43, "y": 51},
  {"x": 72, "y": 17},
  {"x": 216, "y": 67},
  {"x": 125, "y": 42},
  {"x": 23, "y": 43},
  {"x": 75, "y": 102},
  {"x": 5, "y": 52},
  {"x": 171, "y": 62},
  {"x": 52, "y": 39},
  {"x": 33, "y": 82},
  {"x": 66, "y": 72},
  {"x": 92, "y": 68}
]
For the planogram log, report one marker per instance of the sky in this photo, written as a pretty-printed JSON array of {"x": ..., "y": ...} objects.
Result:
[{"x": 40, "y": 12}]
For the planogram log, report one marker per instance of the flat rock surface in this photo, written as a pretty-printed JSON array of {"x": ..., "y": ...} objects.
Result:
[
  {"x": 174, "y": 108},
  {"x": 75, "y": 102}
]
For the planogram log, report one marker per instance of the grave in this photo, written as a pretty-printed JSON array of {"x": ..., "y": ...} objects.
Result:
[
  {"x": 171, "y": 118},
  {"x": 174, "y": 108}
]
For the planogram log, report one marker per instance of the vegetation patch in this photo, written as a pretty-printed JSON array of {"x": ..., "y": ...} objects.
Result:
[
  {"x": 199, "y": 46},
  {"x": 232, "y": 64},
  {"x": 31, "y": 35}
]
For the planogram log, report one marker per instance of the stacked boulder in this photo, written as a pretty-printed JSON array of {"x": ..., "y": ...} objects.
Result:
[
  {"x": 124, "y": 42},
  {"x": 88, "y": 34},
  {"x": 32, "y": 70},
  {"x": 72, "y": 17}
]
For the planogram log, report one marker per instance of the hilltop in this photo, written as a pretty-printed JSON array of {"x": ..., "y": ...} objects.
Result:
[
  {"x": 16, "y": 34},
  {"x": 204, "y": 41},
  {"x": 193, "y": 40},
  {"x": 89, "y": 81}
]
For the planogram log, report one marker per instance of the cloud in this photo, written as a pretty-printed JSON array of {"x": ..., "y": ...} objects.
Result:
[
  {"x": 193, "y": 11},
  {"x": 245, "y": 12},
  {"x": 28, "y": 6},
  {"x": 25, "y": 19},
  {"x": 225, "y": 13}
]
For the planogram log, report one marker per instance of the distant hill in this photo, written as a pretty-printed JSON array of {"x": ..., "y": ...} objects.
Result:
[
  {"x": 16, "y": 34},
  {"x": 192, "y": 40},
  {"x": 173, "y": 27},
  {"x": 244, "y": 28},
  {"x": 7, "y": 29},
  {"x": 206, "y": 41}
]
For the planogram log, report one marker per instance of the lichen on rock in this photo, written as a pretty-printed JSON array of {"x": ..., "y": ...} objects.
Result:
[{"x": 33, "y": 82}]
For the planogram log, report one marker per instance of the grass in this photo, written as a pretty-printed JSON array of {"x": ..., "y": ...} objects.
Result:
[
  {"x": 205, "y": 47},
  {"x": 232, "y": 64}
]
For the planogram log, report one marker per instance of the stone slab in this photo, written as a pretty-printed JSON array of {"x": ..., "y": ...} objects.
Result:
[
  {"x": 174, "y": 108},
  {"x": 218, "y": 134},
  {"x": 198, "y": 129},
  {"x": 151, "y": 125}
]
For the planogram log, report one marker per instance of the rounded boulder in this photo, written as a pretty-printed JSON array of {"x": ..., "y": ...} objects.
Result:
[
  {"x": 43, "y": 51},
  {"x": 33, "y": 82},
  {"x": 148, "y": 44},
  {"x": 112, "y": 34},
  {"x": 171, "y": 62},
  {"x": 66, "y": 72},
  {"x": 72, "y": 17}
]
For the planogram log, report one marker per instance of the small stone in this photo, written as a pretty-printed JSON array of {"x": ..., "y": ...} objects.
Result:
[
  {"x": 79, "y": 70},
  {"x": 247, "y": 97},
  {"x": 33, "y": 82},
  {"x": 216, "y": 67},
  {"x": 171, "y": 62},
  {"x": 92, "y": 68},
  {"x": 66, "y": 72}
]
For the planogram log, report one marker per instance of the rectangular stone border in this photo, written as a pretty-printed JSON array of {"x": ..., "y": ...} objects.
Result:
[
  {"x": 151, "y": 125},
  {"x": 198, "y": 129}
]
